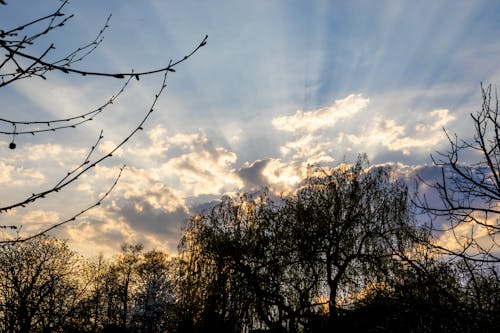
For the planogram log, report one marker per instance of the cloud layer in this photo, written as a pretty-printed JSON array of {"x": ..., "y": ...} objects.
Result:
[{"x": 171, "y": 174}]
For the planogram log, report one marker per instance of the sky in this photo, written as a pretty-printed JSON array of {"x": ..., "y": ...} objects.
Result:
[{"x": 279, "y": 86}]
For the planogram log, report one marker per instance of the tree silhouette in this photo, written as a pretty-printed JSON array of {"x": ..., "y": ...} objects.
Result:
[
  {"x": 46, "y": 287},
  {"x": 294, "y": 264},
  {"x": 354, "y": 222},
  {"x": 154, "y": 296},
  {"x": 19, "y": 61},
  {"x": 38, "y": 286}
]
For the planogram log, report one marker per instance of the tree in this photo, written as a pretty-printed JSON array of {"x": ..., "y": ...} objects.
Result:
[
  {"x": 39, "y": 287},
  {"x": 230, "y": 275},
  {"x": 252, "y": 263},
  {"x": 121, "y": 281},
  {"x": 154, "y": 296},
  {"x": 90, "y": 312},
  {"x": 469, "y": 193},
  {"x": 355, "y": 221},
  {"x": 21, "y": 61}
]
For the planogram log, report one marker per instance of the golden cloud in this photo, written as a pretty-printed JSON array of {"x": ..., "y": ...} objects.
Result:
[
  {"x": 397, "y": 137},
  {"x": 326, "y": 117}
]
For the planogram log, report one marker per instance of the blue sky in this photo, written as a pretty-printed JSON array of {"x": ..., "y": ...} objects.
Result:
[{"x": 280, "y": 84}]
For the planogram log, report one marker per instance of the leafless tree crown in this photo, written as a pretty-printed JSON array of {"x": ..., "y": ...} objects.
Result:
[{"x": 470, "y": 192}]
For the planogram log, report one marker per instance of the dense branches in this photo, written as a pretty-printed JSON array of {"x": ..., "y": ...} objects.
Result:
[
  {"x": 342, "y": 252},
  {"x": 45, "y": 287},
  {"x": 253, "y": 262},
  {"x": 38, "y": 286}
]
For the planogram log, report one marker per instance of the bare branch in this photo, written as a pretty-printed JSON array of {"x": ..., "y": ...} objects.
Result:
[
  {"x": 470, "y": 193},
  {"x": 71, "y": 219},
  {"x": 87, "y": 165},
  {"x": 19, "y": 62},
  {"x": 52, "y": 125}
]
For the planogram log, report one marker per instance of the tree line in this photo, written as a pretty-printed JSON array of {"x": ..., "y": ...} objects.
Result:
[
  {"x": 344, "y": 252},
  {"x": 47, "y": 287}
]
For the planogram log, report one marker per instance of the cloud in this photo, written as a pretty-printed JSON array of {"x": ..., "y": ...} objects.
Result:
[
  {"x": 189, "y": 141},
  {"x": 134, "y": 220},
  {"x": 425, "y": 133},
  {"x": 34, "y": 168},
  {"x": 314, "y": 141},
  {"x": 199, "y": 167},
  {"x": 100, "y": 231},
  {"x": 326, "y": 117},
  {"x": 460, "y": 237},
  {"x": 40, "y": 216},
  {"x": 13, "y": 175},
  {"x": 36, "y": 220},
  {"x": 205, "y": 171},
  {"x": 400, "y": 125},
  {"x": 314, "y": 149},
  {"x": 347, "y": 128},
  {"x": 149, "y": 204},
  {"x": 144, "y": 184},
  {"x": 175, "y": 173},
  {"x": 252, "y": 176},
  {"x": 189, "y": 163},
  {"x": 144, "y": 219},
  {"x": 282, "y": 176}
]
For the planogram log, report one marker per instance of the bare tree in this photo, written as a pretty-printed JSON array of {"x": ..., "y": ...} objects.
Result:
[
  {"x": 20, "y": 60},
  {"x": 469, "y": 192},
  {"x": 154, "y": 297},
  {"x": 39, "y": 288}
]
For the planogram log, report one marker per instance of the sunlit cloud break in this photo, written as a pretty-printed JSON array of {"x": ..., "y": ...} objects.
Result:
[
  {"x": 325, "y": 117},
  {"x": 427, "y": 132}
]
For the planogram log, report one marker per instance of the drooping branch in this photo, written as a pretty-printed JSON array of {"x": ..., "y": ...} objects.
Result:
[
  {"x": 39, "y": 67},
  {"x": 83, "y": 118},
  {"x": 10, "y": 42},
  {"x": 51, "y": 66}
]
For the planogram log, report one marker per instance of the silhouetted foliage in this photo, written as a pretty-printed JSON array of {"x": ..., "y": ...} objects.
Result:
[
  {"x": 45, "y": 287},
  {"x": 255, "y": 264},
  {"x": 428, "y": 297},
  {"x": 154, "y": 296},
  {"x": 297, "y": 263},
  {"x": 341, "y": 253}
]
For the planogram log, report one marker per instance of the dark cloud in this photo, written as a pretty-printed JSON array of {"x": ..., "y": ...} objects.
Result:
[
  {"x": 415, "y": 158},
  {"x": 112, "y": 237},
  {"x": 145, "y": 219},
  {"x": 252, "y": 176}
]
